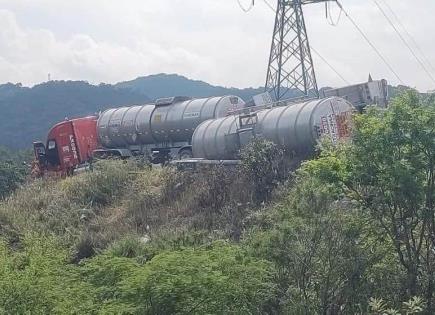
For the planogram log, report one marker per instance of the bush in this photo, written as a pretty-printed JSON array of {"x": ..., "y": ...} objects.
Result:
[
  {"x": 37, "y": 280},
  {"x": 414, "y": 306},
  {"x": 105, "y": 183},
  {"x": 11, "y": 177},
  {"x": 263, "y": 166},
  {"x": 201, "y": 281},
  {"x": 324, "y": 250}
]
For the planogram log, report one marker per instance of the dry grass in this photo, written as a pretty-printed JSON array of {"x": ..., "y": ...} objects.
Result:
[{"x": 91, "y": 210}]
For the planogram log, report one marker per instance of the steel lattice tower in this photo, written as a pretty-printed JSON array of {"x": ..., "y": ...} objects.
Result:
[{"x": 290, "y": 62}]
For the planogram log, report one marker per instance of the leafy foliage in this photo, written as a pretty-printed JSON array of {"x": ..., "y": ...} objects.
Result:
[
  {"x": 388, "y": 172},
  {"x": 13, "y": 170},
  {"x": 11, "y": 176},
  {"x": 69, "y": 208},
  {"x": 262, "y": 162},
  {"x": 413, "y": 306},
  {"x": 326, "y": 258},
  {"x": 38, "y": 279}
]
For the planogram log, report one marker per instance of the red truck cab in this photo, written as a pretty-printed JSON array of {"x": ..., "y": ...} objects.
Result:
[{"x": 69, "y": 144}]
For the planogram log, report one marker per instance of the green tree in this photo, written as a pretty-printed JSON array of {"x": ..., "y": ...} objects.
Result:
[
  {"x": 323, "y": 250},
  {"x": 389, "y": 171},
  {"x": 393, "y": 177}
]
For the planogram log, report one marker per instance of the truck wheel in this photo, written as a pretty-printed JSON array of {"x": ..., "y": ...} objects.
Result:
[{"x": 185, "y": 154}]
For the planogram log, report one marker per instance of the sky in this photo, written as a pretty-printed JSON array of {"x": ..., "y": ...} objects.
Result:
[{"x": 211, "y": 40}]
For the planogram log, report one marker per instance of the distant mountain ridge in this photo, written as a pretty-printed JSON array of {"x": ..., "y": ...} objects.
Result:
[{"x": 165, "y": 85}]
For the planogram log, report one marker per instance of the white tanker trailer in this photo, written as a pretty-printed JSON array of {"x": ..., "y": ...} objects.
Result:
[
  {"x": 162, "y": 130},
  {"x": 294, "y": 127}
]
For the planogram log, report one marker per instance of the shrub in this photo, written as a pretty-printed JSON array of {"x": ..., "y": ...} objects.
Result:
[
  {"x": 37, "y": 280},
  {"x": 414, "y": 306},
  {"x": 326, "y": 253},
  {"x": 106, "y": 182},
  {"x": 211, "y": 197},
  {"x": 263, "y": 165},
  {"x": 11, "y": 177},
  {"x": 190, "y": 281}
]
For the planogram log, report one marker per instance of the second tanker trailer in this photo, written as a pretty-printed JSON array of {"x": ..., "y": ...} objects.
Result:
[{"x": 295, "y": 127}]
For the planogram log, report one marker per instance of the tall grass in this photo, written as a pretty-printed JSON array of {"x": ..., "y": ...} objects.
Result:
[
  {"x": 91, "y": 210},
  {"x": 67, "y": 207}
]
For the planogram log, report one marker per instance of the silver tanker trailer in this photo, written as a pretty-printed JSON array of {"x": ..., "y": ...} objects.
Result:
[
  {"x": 295, "y": 127},
  {"x": 161, "y": 131}
]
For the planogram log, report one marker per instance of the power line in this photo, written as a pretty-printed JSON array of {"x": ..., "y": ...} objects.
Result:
[
  {"x": 329, "y": 65},
  {"x": 244, "y": 9},
  {"x": 370, "y": 42},
  {"x": 363, "y": 35},
  {"x": 315, "y": 51},
  {"x": 398, "y": 19},
  {"x": 269, "y": 5},
  {"x": 404, "y": 41},
  {"x": 329, "y": 15}
]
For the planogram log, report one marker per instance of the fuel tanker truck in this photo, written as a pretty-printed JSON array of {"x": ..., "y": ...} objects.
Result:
[
  {"x": 296, "y": 128},
  {"x": 200, "y": 130},
  {"x": 160, "y": 131}
]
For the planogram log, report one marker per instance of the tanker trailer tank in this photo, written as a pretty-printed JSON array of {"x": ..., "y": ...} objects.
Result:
[
  {"x": 295, "y": 127},
  {"x": 162, "y": 130}
]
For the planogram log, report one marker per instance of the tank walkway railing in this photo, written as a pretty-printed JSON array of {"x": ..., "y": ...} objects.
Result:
[{"x": 252, "y": 109}]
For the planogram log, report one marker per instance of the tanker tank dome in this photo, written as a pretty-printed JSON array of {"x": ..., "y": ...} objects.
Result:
[
  {"x": 169, "y": 120},
  {"x": 294, "y": 127}
]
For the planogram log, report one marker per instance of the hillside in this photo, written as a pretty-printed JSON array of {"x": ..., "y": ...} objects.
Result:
[
  {"x": 333, "y": 235},
  {"x": 28, "y": 113}
]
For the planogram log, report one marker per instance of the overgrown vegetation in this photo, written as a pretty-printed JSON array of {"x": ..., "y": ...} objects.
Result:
[
  {"x": 13, "y": 170},
  {"x": 349, "y": 232},
  {"x": 11, "y": 176}
]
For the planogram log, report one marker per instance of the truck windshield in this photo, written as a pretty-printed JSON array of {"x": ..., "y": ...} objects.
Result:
[
  {"x": 52, "y": 153},
  {"x": 51, "y": 144}
]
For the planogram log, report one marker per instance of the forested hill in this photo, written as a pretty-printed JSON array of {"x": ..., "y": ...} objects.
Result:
[
  {"x": 161, "y": 85},
  {"x": 28, "y": 113}
]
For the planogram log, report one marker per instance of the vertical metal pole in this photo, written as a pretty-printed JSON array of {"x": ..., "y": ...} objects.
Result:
[
  {"x": 281, "y": 8},
  {"x": 297, "y": 6},
  {"x": 310, "y": 57}
]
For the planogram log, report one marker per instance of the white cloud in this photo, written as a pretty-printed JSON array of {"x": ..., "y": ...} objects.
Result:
[
  {"x": 29, "y": 55},
  {"x": 211, "y": 40}
]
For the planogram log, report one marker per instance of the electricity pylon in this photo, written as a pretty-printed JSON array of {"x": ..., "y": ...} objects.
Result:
[{"x": 290, "y": 62}]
